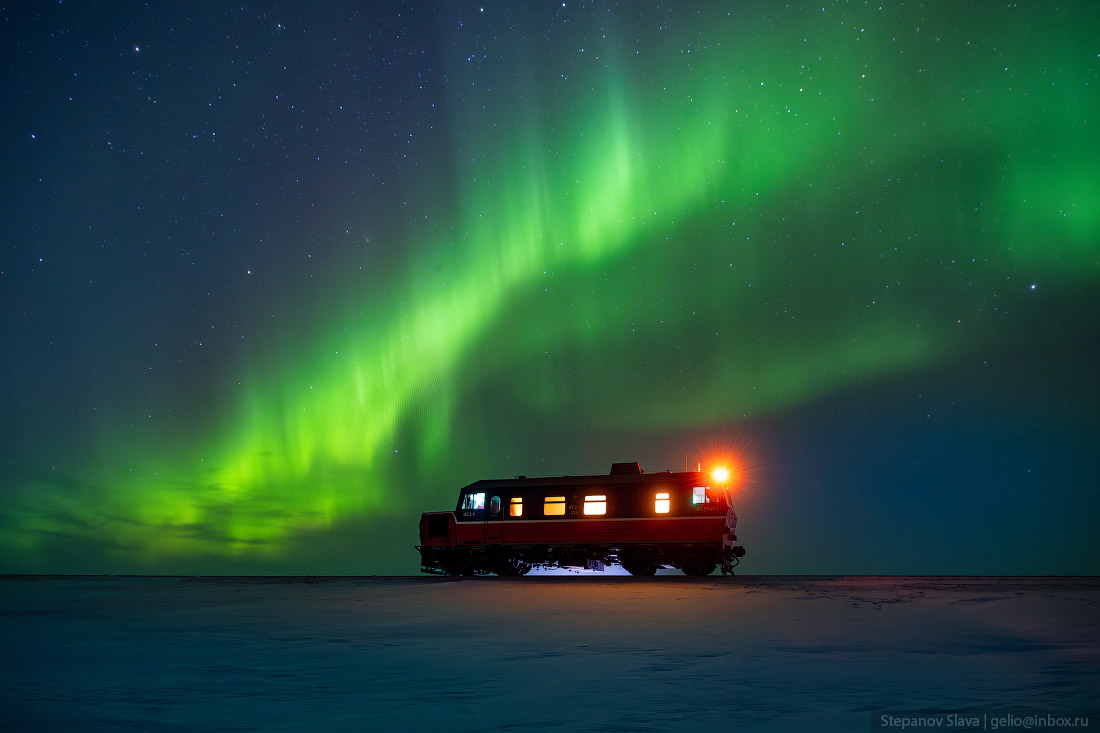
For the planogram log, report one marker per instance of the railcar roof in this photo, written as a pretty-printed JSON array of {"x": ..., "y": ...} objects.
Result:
[{"x": 602, "y": 479}]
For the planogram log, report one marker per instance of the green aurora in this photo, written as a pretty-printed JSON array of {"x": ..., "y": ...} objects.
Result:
[{"x": 688, "y": 225}]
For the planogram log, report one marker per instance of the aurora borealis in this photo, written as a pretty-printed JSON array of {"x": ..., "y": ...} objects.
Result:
[{"x": 276, "y": 281}]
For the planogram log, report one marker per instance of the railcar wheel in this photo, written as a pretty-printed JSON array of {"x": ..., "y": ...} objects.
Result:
[
  {"x": 639, "y": 567},
  {"x": 512, "y": 567},
  {"x": 697, "y": 568},
  {"x": 449, "y": 565}
]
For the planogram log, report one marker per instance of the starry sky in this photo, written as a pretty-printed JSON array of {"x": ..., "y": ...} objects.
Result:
[{"x": 276, "y": 280}]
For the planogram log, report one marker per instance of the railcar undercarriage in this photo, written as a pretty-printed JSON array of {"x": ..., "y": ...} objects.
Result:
[{"x": 641, "y": 560}]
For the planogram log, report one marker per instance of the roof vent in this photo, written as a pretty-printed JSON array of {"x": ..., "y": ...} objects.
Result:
[{"x": 619, "y": 468}]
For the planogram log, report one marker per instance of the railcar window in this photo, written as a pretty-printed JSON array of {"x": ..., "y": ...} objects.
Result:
[
  {"x": 595, "y": 504},
  {"x": 554, "y": 506},
  {"x": 661, "y": 504},
  {"x": 474, "y": 501},
  {"x": 515, "y": 508},
  {"x": 438, "y": 525},
  {"x": 699, "y": 495}
]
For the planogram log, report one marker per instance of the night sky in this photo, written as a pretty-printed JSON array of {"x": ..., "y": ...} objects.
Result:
[{"x": 276, "y": 281}]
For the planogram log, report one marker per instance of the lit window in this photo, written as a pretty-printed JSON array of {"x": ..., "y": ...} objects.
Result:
[
  {"x": 554, "y": 506},
  {"x": 595, "y": 504},
  {"x": 699, "y": 495},
  {"x": 661, "y": 504},
  {"x": 474, "y": 501},
  {"x": 515, "y": 509}
]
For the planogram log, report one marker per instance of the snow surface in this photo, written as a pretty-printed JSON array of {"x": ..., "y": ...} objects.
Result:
[{"x": 548, "y": 653}]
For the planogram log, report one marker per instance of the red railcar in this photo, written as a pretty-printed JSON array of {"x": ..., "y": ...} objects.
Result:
[{"x": 640, "y": 520}]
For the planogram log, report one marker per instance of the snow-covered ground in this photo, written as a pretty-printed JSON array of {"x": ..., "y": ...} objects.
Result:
[{"x": 599, "y": 653}]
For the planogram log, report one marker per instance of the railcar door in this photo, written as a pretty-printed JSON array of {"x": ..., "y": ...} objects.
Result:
[{"x": 493, "y": 521}]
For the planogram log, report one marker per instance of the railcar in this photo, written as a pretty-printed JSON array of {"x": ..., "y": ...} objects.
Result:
[{"x": 642, "y": 521}]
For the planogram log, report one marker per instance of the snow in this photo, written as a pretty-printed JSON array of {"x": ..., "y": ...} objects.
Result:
[{"x": 581, "y": 652}]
